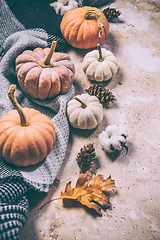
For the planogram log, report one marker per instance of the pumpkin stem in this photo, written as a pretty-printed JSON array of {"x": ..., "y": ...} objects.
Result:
[
  {"x": 100, "y": 59},
  {"x": 83, "y": 105},
  {"x": 46, "y": 62},
  {"x": 99, "y": 18},
  {"x": 11, "y": 95}
]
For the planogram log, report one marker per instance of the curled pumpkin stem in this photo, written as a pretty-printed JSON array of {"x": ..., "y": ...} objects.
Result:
[
  {"x": 99, "y": 18},
  {"x": 100, "y": 59},
  {"x": 83, "y": 105},
  {"x": 11, "y": 95},
  {"x": 46, "y": 63}
]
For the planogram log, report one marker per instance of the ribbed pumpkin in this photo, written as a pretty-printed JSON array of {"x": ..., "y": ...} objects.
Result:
[
  {"x": 100, "y": 65},
  {"x": 26, "y": 135},
  {"x": 84, "y": 111},
  {"x": 84, "y": 27},
  {"x": 43, "y": 73}
]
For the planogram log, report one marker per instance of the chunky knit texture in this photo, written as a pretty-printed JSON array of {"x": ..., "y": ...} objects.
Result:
[
  {"x": 13, "y": 208},
  {"x": 29, "y": 24}
]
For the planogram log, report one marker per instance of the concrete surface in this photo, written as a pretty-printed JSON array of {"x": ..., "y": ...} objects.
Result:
[{"x": 135, "y": 213}]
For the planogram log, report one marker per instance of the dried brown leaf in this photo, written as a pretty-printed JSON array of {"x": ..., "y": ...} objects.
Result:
[{"x": 91, "y": 195}]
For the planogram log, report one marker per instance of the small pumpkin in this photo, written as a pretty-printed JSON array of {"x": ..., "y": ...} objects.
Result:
[
  {"x": 100, "y": 65},
  {"x": 26, "y": 135},
  {"x": 84, "y": 111},
  {"x": 43, "y": 73},
  {"x": 84, "y": 27}
]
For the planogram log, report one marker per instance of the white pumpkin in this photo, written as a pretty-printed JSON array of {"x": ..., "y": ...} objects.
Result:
[
  {"x": 100, "y": 65},
  {"x": 84, "y": 111},
  {"x": 113, "y": 138}
]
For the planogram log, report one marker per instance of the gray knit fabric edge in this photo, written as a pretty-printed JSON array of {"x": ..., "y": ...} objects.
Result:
[{"x": 42, "y": 175}]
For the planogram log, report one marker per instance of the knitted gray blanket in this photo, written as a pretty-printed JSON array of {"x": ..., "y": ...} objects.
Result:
[
  {"x": 20, "y": 30},
  {"x": 41, "y": 175}
]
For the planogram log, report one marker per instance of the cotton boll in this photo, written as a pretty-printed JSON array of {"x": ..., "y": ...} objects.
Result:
[
  {"x": 113, "y": 138},
  {"x": 63, "y": 6},
  {"x": 119, "y": 130},
  {"x": 64, "y": 2},
  {"x": 116, "y": 141},
  {"x": 116, "y": 130},
  {"x": 57, "y": 7},
  {"x": 104, "y": 141}
]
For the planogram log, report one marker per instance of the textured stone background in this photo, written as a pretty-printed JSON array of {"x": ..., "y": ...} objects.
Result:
[{"x": 135, "y": 213}]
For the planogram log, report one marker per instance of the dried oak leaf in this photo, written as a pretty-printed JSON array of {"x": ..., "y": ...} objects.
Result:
[{"x": 91, "y": 195}]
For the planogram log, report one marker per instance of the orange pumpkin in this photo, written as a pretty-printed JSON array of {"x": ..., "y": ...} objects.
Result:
[
  {"x": 43, "y": 73},
  {"x": 84, "y": 27},
  {"x": 26, "y": 135}
]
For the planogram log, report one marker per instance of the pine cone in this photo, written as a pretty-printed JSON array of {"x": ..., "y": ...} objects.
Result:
[
  {"x": 104, "y": 95},
  {"x": 85, "y": 157},
  {"x": 111, "y": 13}
]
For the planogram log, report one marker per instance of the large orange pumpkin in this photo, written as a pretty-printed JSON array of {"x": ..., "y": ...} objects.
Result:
[
  {"x": 43, "y": 73},
  {"x": 26, "y": 135},
  {"x": 84, "y": 27}
]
